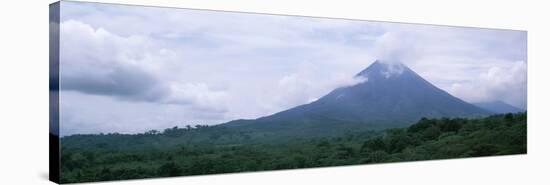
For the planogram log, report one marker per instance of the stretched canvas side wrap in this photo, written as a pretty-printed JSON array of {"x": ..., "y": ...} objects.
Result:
[{"x": 147, "y": 92}]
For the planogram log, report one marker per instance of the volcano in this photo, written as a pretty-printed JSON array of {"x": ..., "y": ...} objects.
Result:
[{"x": 390, "y": 96}]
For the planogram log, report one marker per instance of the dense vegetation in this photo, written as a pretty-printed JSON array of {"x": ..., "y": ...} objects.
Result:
[{"x": 209, "y": 150}]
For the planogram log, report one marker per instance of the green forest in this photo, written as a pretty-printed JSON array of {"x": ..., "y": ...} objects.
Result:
[{"x": 212, "y": 149}]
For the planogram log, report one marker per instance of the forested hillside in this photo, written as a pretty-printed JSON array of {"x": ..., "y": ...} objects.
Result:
[{"x": 209, "y": 150}]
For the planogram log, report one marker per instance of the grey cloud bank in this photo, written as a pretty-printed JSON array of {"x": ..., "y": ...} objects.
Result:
[{"x": 130, "y": 69}]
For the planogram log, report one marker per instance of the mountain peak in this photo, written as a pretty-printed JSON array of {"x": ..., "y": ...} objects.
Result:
[{"x": 386, "y": 69}]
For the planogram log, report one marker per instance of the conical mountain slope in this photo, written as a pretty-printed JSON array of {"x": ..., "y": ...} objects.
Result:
[{"x": 392, "y": 96}]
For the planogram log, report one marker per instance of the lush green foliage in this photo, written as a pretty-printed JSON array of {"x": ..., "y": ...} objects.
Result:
[{"x": 209, "y": 150}]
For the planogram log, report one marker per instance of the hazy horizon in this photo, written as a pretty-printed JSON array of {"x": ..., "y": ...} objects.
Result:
[{"x": 130, "y": 69}]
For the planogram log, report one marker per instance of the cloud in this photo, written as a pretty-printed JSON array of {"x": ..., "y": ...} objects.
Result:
[
  {"x": 395, "y": 46},
  {"x": 508, "y": 84},
  {"x": 392, "y": 68},
  {"x": 98, "y": 62},
  {"x": 129, "y": 83},
  {"x": 304, "y": 85},
  {"x": 95, "y": 61},
  {"x": 200, "y": 95}
]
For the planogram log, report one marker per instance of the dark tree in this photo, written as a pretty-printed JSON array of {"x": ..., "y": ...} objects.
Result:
[{"x": 169, "y": 169}]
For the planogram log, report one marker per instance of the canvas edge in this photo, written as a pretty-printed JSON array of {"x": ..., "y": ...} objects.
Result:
[{"x": 54, "y": 37}]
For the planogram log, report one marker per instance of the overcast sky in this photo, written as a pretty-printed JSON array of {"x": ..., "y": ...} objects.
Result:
[{"x": 130, "y": 69}]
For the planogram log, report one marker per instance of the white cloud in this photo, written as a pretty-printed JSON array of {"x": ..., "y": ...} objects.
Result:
[
  {"x": 508, "y": 84},
  {"x": 304, "y": 87},
  {"x": 395, "y": 46},
  {"x": 96, "y": 61},
  {"x": 392, "y": 68},
  {"x": 199, "y": 95}
]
